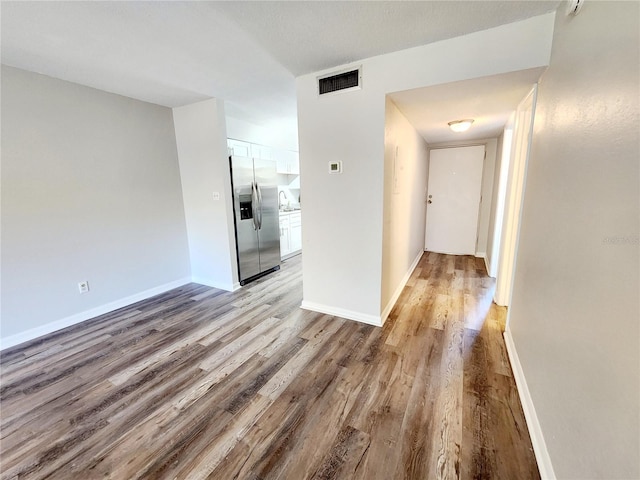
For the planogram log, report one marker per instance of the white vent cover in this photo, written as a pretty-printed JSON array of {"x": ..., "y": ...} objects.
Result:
[{"x": 342, "y": 81}]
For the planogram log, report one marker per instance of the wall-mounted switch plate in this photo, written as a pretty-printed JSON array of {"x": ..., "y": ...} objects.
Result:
[{"x": 83, "y": 286}]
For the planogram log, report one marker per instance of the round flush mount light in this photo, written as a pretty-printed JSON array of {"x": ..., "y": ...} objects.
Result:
[{"x": 460, "y": 125}]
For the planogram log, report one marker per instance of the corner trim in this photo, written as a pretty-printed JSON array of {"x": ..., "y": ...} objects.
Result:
[
  {"x": 342, "y": 313},
  {"x": 56, "y": 325},
  {"x": 535, "y": 430},
  {"x": 486, "y": 264},
  {"x": 401, "y": 285}
]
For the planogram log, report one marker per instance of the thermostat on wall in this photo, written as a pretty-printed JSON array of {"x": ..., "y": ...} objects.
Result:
[{"x": 335, "y": 167}]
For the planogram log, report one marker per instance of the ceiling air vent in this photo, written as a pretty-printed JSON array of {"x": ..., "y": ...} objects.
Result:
[{"x": 340, "y": 82}]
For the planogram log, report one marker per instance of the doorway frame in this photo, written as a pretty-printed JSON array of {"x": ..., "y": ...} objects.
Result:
[{"x": 518, "y": 165}]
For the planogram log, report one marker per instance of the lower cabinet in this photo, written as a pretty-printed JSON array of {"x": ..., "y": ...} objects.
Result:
[
  {"x": 285, "y": 235},
  {"x": 290, "y": 233},
  {"x": 295, "y": 230}
]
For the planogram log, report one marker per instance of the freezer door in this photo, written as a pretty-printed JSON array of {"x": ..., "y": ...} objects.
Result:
[{"x": 244, "y": 206}]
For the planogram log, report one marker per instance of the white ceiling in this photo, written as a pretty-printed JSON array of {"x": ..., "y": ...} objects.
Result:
[
  {"x": 246, "y": 53},
  {"x": 307, "y": 36},
  {"x": 487, "y": 100}
]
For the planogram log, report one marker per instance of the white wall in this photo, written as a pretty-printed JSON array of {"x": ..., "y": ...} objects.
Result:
[
  {"x": 201, "y": 138},
  {"x": 342, "y": 234},
  {"x": 343, "y": 214},
  {"x": 405, "y": 183},
  {"x": 574, "y": 314},
  {"x": 90, "y": 191}
]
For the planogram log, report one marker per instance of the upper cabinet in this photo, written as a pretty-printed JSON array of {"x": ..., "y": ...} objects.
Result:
[
  {"x": 288, "y": 162},
  {"x": 260, "y": 151},
  {"x": 238, "y": 148}
]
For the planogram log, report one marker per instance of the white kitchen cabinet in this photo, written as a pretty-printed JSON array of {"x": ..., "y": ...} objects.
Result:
[
  {"x": 239, "y": 148},
  {"x": 287, "y": 162},
  {"x": 261, "y": 151},
  {"x": 251, "y": 150},
  {"x": 290, "y": 233},
  {"x": 295, "y": 231},
  {"x": 285, "y": 236}
]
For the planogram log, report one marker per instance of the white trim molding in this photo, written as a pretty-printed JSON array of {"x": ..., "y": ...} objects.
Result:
[
  {"x": 56, "y": 325},
  {"x": 483, "y": 256},
  {"x": 401, "y": 285},
  {"x": 228, "y": 287},
  {"x": 535, "y": 430},
  {"x": 486, "y": 265},
  {"x": 342, "y": 313}
]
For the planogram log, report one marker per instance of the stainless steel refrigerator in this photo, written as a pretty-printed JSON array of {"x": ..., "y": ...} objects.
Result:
[{"x": 255, "y": 205}]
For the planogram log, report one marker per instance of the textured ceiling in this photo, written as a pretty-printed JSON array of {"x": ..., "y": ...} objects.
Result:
[
  {"x": 168, "y": 53},
  {"x": 309, "y": 36},
  {"x": 246, "y": 53},
  {"x": 488, "y": 101}
]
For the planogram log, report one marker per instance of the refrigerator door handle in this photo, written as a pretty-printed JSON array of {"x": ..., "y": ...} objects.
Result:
[
  {"x": 259, "y": 206},
  {"x": 254, "y": 205}
]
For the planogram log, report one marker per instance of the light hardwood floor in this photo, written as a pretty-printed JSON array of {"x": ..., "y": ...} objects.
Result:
[{"x": 200, "y": 383}]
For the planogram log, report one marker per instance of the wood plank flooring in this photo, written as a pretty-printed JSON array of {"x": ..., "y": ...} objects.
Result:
[{"x": 199, "y": 383}]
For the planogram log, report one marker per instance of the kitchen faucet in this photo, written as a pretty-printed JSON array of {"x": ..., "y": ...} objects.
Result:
[{"x": 280, "y": 194}]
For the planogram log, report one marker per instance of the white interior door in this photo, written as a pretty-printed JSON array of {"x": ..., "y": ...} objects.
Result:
[{"x": 453, "y": 199}]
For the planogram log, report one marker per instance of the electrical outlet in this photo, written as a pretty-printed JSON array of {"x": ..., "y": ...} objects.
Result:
[
  {"x": 83, "y": 286},
  {"x": 216, "y": 195}
]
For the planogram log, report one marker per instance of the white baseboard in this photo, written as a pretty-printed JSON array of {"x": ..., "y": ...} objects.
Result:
[
  {"x": 228, "y": 287},
  {"x": 51, "y": 327},
  {"x": 342, "y": 313},
  {"x": 535, "y": 430},
  {"x": 486, "y": 264},
  {"x": 290, "y": 255},
  {"x": 479, "y": 254},
  {"x": 401, "y": 285}
]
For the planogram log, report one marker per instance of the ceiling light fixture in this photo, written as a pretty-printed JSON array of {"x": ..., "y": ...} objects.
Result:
[{"x": 460, "y": 125}]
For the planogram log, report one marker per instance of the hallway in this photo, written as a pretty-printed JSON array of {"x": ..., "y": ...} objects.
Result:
[{"x": 201, "y": 383}]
